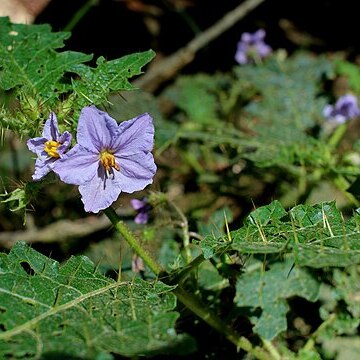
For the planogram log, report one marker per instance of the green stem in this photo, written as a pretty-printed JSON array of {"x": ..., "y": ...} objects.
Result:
[
  {"x": 272, "y": 350},
  {"x": 311, "y": 342},
  {"x": 337, "y": 135},
  {"x": 79, "y": 15},
  {"x": 203, "y": 312},
  {"x": 189, "y": 300},
  {"x": 185, "y": 229},
  {"x": 122, "y": 228},
  {"x": 180, "y": 276}
]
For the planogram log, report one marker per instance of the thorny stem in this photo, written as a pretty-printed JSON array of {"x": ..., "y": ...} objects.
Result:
[
  {"x": 180, "y": 276},
  {"x": 122, "y": 228},
  {"x": 189, "y": 300}
]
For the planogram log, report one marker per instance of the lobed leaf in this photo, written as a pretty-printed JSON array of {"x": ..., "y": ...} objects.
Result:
[
  {"x": 71, "y": 310},
  {"x": 317, "y": 235},
  {"x": 45, "y": 80},
  {"x": 28, "y": 59},
  {"x": 95, "y": 84},
  {"x": 269, "y": 290}
]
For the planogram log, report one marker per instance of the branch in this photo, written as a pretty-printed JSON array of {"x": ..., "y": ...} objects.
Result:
[
  {"x": 59, "y": 231},
  {"x": 167, "y": 68}
]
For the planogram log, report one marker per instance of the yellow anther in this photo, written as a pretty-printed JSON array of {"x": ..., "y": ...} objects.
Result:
[
  {"x": 51, "y": 148},
  {"x": 108, "y": 161}
]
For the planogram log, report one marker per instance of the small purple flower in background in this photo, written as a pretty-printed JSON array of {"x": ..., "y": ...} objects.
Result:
[
  {"x": 345, "y": 108},
  {"x": 108, "y": 158},
  {"x": 142, "y": 208},
  {"x": 252, "y": 47},
  {"x": 49, "y": 148}
]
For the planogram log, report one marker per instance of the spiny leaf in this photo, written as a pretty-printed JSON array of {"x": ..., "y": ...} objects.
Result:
[
  {"x": 269, "y": 291},
  {"x": 45, "y": 80},
  {"x": 28, "y": 59},
  {"x": 71, "y": 310},
  {"x": 317, "y": 235},
  {"x": 95, "y": 84}
]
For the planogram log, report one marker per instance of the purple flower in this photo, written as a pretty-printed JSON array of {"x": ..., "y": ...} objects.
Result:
[
  {"x": 108, "y": 158},
  {"x": 252, "y": 47},
  {"x": 345, "y": 108},
  {"x": 142, "y": 208},
  {"x": 49, "y": 148}
]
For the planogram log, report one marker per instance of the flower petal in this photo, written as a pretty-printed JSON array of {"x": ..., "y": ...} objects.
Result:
[
  {"x": 65, "y": 141},
  {"x": 134, "y": 136},
  {"x": 36, "y": 145},
  {"x": 99, "y": 193},
  {"x": 141, "y": 218},
  {"x": 77, "y": 166},
  {"x": 95, "y": 129},
  {"x": 258, "y": 35},
  {"x": 43, "y": 167},
  {"x": 137, "y": 204},
  {"x": 136, "y": 172},
  {"x": 51, "y": 129}
]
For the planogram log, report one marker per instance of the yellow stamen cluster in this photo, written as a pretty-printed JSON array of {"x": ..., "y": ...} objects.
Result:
[
  {"x": 51, "y": 148},
  {"x": 108, "y": 161}
]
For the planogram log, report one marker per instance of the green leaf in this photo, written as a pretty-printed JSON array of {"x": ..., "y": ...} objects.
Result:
[
  {"x": 276, "y": 118},
  {"x": 71, "y": 310},
  {"x": 347, "y": 288},
  {"x": 215, "y": 225},
  {"x": 28, "y": 59},
  {"x": 95, "y": 84},
  {"x": 269, "y": 290},
  {"x": 45, "y": 80},
  {"x": 317, "y": 235},
  {"x": 351, "y": 71},
  {"x": 196, "y": 96}
]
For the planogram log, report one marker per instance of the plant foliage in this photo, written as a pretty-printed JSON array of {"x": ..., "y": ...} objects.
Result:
[
  {"x": 71, "y": 309},
  {"x": 317, "y": 235}
]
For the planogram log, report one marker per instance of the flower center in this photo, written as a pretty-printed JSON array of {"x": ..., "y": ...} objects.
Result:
[
  {"x": 51, "y": 148},
  {"x": 108, "y": 161}
]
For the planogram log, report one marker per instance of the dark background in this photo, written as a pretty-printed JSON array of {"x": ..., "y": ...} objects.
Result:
[{"x": 114, "y": 28}]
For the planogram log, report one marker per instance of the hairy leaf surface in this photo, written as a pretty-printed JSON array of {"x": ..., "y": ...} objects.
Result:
[
  {"x": 317, "y": 235},
  {"x": 44, "y": 79},
  {"x": 71, "y": 310}
]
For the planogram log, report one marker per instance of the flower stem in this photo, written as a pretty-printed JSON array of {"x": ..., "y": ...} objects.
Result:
[
  {"x": 337, "y": 136},
  {"x": 189, "y": 300},
  {"x": 122, "y": 228}
]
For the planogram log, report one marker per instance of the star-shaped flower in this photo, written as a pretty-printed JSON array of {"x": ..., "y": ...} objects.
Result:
[
  {"x": 108, "y": 158},
  {"x": 49, "y": 148},
  {"x": 345, "y": 108},
  {"x": 252, "y": 47}
]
